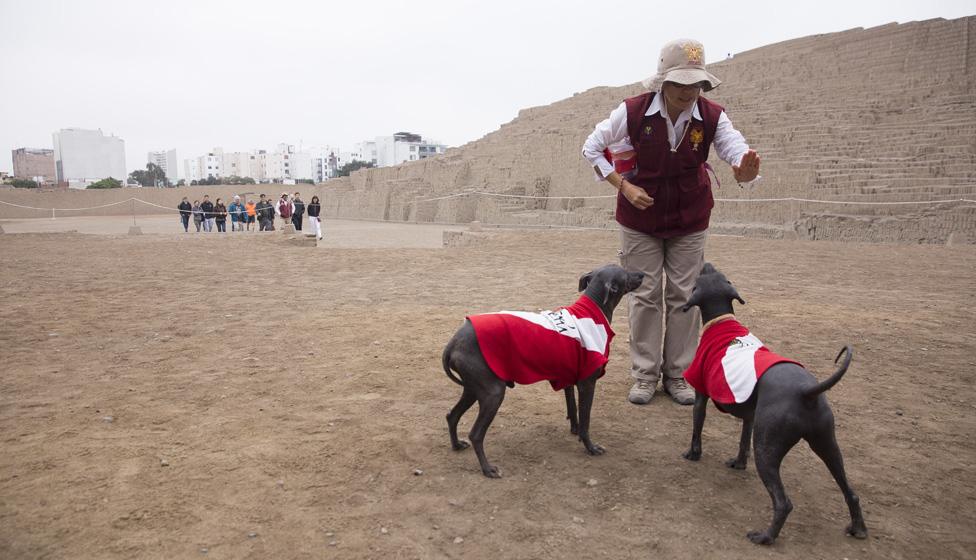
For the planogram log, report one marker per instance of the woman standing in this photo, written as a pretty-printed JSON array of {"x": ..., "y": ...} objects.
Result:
[
  {"x": 313, "y": 210},
  {"x": 220, "y": 215},
  {"x": 197, "y": 214},
  {"x": 664, "y": 207}
]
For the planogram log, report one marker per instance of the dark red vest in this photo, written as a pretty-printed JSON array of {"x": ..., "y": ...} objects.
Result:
[{"x": 677, "y": 181}]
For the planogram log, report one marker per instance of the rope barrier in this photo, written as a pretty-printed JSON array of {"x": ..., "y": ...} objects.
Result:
[
  {"x": 517, "y": 196},
  {"x": 785, "y": 199},
  {"x": 850, "y": 202},
  {"x": 69, "y": 209}
]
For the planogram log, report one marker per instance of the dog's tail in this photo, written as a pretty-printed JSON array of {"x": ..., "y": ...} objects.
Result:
[
  {"x": 833, "y": 379},
  {"x": 446, "y": 362}
]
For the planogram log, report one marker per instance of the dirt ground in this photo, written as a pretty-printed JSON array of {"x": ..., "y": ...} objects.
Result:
[
  {"x": 174, "y": 396},
  {"x": 342, "y": 233}
]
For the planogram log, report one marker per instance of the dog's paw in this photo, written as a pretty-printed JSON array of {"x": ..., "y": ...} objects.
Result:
[
  {"x": 857, "y": 532},
  {"x": 735, "y": 463},
  {"x": 461, "y": 445},
  {"x": 760, "y": 537},
  {"x": 594, "y": 449},
  {"x": 692, "y": 454},
  {"x": 491, "y": 471}
]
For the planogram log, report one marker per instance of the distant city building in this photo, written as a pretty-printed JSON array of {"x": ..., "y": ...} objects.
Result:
[
  {"x": 191, "y": 170},
  {"x": 165, "y": 160},
  {"x": 211, "y": 165},
  {"x": 323, "y": 166},
  {"x": 259, "y": 166},
  {"x": 403, "y": 147},
  {"x": 282, "y": 165},
  {"x": 237, "y": 164},
  {"x": 35, "y": 164},
  {"x": 363, "y": 151},
  {"x": 84, "y": 156}
]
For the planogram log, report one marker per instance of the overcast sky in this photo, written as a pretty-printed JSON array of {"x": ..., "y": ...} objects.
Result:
[{"x": 246, "y": 74}]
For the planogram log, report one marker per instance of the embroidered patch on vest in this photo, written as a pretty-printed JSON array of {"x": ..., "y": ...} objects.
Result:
[{"x": 697, "y": 137}]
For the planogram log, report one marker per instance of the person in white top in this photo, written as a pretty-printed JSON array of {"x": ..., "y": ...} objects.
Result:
[{"x": 658, "y": 145}]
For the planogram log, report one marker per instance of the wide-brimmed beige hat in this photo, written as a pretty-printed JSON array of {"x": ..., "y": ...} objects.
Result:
[{"x": 682, "y": 61}]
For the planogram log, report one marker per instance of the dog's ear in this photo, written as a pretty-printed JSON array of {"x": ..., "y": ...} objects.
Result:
[
  {"x": 584, "y": 281},
  {"x": 735, "y": 294},
  {"x": 611, "y": 289}
]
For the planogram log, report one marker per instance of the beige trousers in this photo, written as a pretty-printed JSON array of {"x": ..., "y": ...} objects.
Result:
[{"x": 663, "y": 338}]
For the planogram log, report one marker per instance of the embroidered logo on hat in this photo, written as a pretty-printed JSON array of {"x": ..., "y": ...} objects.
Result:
[{"x": 694, "y": 53}]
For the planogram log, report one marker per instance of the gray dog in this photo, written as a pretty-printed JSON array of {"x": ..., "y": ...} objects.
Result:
[
  {"x": 778, "y": 400},
  {"x": 567, "y": 347}
]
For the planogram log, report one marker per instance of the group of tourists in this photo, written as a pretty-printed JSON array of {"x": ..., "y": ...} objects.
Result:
[{"x": 259, "y": 216}]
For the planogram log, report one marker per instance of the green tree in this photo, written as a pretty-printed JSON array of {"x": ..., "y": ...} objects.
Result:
[
  {"x": 348, "y": 168},
  {"x": 109, "y": 183},
  {"x": 152, "y": 176},
  {"x": 23, "y": 184}
]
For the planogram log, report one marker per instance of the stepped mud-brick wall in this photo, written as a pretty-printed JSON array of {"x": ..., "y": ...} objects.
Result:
[{"x": 863, "y": 116}]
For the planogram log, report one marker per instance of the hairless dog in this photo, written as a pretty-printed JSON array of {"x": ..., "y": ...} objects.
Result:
[
  {"x": 567, "y": 347},
  {"x": 778, "y": 400}
]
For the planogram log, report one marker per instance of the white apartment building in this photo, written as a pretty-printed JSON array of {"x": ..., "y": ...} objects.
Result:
[
  {"x": 324, "y": 166},
  {"x": 240, "y": 164},
  {"x": 287, "y": 163},
  {"x": 366, "y": 151},
  {"x": 191, "y": 170},
  {"x": 82, "y": 157},
  {"x": 165, "y": 160},
  {"x": 211, "y": 164},
  {"x": 283, "y": 164},
  {"x": 403, "y": 147},
  {"x": 259, "y": 166}
]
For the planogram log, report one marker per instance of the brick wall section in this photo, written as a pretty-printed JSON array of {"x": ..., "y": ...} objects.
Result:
[{"x": 30, "y": 163}]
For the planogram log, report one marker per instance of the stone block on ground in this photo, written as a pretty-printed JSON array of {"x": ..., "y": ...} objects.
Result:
[
  {"x": 463, "y": 238},
  {"x": 135, "y": 230},
  {"x": 303, "y": 240}
]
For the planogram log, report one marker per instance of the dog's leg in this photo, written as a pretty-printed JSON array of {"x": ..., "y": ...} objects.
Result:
[
  {"x": 770, "y": 448},
  {"x": 698, "y": 421},
  {"x": 488, "y": 404},
  {"x": 586, "y": 390},
  {"x": 571, "y": 410},
  {"x": 740, "y": 460},
  {"x": 824, "y": 444},
  {"x": 464, "y": 403}
]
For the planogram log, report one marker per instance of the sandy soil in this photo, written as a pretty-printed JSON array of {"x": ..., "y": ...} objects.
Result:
[
  {"x": 341, "y": 233},
  {"x": 174, "y": 396}
]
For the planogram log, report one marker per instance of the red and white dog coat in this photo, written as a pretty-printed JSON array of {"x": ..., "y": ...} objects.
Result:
[
  {"x": 729, "y": 362},
  {"x": 562, "y": 347}
]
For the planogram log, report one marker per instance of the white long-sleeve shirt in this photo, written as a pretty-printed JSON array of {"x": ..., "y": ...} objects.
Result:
[{"x": 729, "y": 143}]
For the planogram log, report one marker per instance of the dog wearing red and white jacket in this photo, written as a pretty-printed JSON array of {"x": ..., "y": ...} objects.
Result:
[
  {"x": 568, "y": 347},
  {"x": 778, "y": 400}
]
